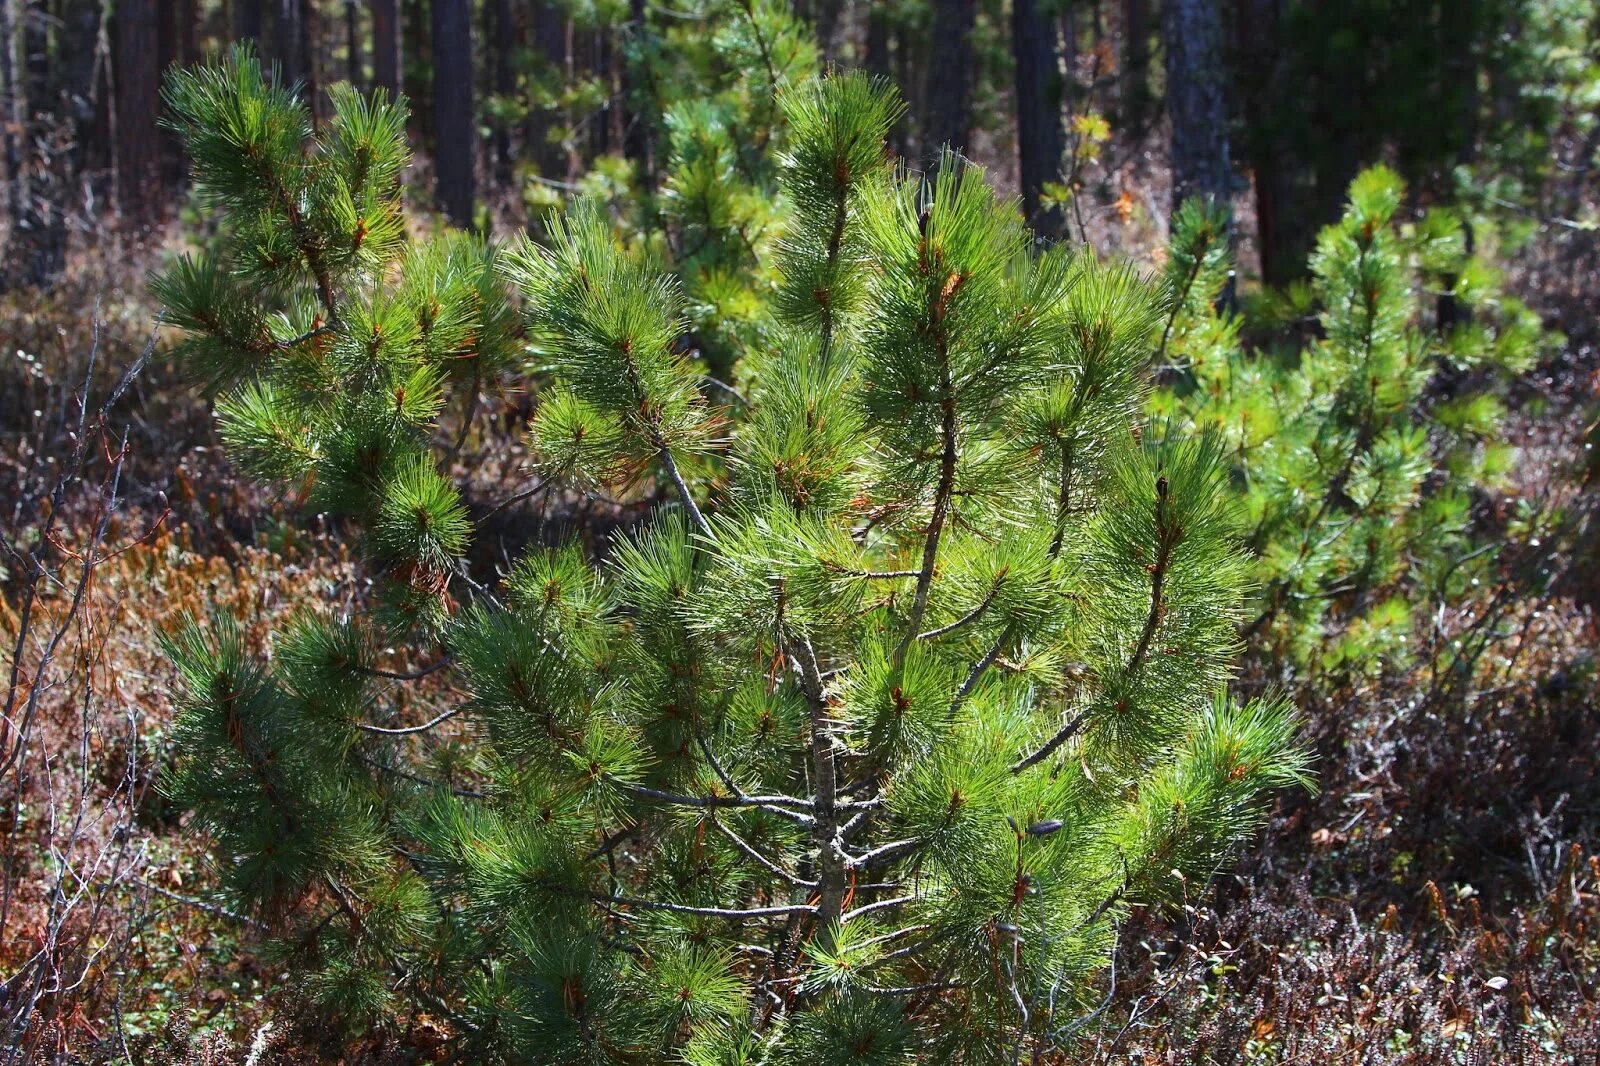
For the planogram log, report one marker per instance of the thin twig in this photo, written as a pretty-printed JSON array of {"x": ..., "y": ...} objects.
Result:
[{"x": 407, "y": 730}]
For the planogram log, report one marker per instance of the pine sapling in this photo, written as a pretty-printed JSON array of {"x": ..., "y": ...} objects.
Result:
[
  {"x": 858, "y": 750},
  {"x": 1361, "y": 418}
]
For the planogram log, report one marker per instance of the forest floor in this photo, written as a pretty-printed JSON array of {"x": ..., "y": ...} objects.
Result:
[{"x": 1437, "y": 900}]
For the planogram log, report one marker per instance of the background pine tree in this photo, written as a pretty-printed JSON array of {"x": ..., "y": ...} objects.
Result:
[{"x": 1361, "y": 412}]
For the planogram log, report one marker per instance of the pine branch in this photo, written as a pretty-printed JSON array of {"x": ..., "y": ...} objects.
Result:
[
  {"x": 825, "y": 776},
  {"x": 685, "y": 496},
  {"x": 1063, "y": 499},
  {"x": 749, "y": 852},
  {"x": 885, "y": 852},
  {"x": 916, "y": 990},
  {"x": 942, "y": 493},
  {"x": 966, "y": 619},
  {"x": 979, "y": 668},
  {"x": 437, "y": 720},
  {"x": 680, "y": 908},
  {"x": 525, "y": 494},
  {"x": 464, "y": 793},
  {"x": 876, "y": 906},
  {"x": 873, "y": 575},
  {"x": 771, "y": 804},
  {"x": 766, "y": 61},
  {"x": 1166, "y": 540},
  {"x": 309, "y": 335},
  {"x": 658, "y": 441},
  {"x": 1064, "y": 734},
  {"x": 1178, "y": 303}
]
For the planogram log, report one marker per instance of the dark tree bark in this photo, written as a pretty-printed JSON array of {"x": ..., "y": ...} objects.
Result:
[
  {"x": 949, "y": 86},
  {"x": 1135, "y": 61},
  {"x": 12, "y": 113},
  {"x": 48, "y": 120},
  {"x": 598, "y": 66},
  {"x": 188, "y": 32},
  {"x": 1271, "y": 162},
  {"x": 1192, "y": 33},
  {"x": 247, "y": 20},
  {"x": 138, "y": 93},
  {"x": 80, "y": 81},
  {"x": 905, "y": 74},
  {"x": 638, "y": 100},
  {"x": 550, "y": 40},
  {"x": 502, "y": 40},
  {"x": 879, "y": 61},
  {"x": 355, "y": 70},
  {"x": 452, "y": 109},
  {"x": 36, "y": 20},
  {"x": 416, "y": 75},
  {"x": 1069, "y": 52},
  {"x": 310, "y": 60},
  {"x": 167, "y": 35},
  {"x": 177, "y": 46},
  {"x": 293, "y": 31},
  {"x": 288, "y": 31},
  {"x": 610, "y": 65},
  {"x": 827, "y": 21},
  {"x": 876, "y": 59},
  {"x": 1040, "y": 138},
  {"x": 386, "y": 46}
]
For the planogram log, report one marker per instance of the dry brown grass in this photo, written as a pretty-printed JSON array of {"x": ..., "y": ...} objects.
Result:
[{"x": 106, "y": 890}]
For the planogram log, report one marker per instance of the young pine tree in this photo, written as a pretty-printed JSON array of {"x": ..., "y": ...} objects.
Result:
[
  {"x": 719, "y": 210},
  {"x": 1361, "y": 443},
  {"x": 857, "y": 752}
]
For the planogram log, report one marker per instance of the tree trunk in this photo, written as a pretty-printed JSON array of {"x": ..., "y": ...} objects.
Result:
[
  {"x": 1135, "y": 62},
  {"x": 311, "y": 55},
  {"x": 1192, "y": 34},
  {"x": 616, "y": 113},
  {"x": 138, "y": 88},
  {"x": 80, "y": 82},
  {"x": 502, "y": 41},
  {"x": 39, "y": 228},
  {"x": 292, "y": 35},
  {"x": 188, "y": 32},
  {"x": 416, "y": 76},
  {"x": 639, "y": 104},
  {"x": 36, "y": 55},
  {"x": 1272, "y": 164},
  {"x": 247, "y": 20},
  {"x": 386, "y": 46},
  {"x": 599, "y": 68},
  {"x": 876, "y": 59},
  {"x": 549, "y": 31},
  {"x": 827, "y": 21},
  {"x": 168, "y": 55},
  {"x": 1069, "y": 54},
  {"x": 452, "y": 109},
  {"x": 167, "y": 35},
  {"x": 1040, "y": 138},
  {"x": 355, "y": 70},
  {"x": 949, "y": 76},
  {"x": 287, "y": 34},
  {"x": 901, "y": 138},
  {"x": 12, "y": 120}
]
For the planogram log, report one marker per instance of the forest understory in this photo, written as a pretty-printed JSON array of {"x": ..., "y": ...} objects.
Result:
[{"x": 1433, "y": 899}]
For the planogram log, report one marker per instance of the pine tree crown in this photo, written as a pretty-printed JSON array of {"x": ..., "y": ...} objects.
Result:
[{"x": 864, "y": 743}]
